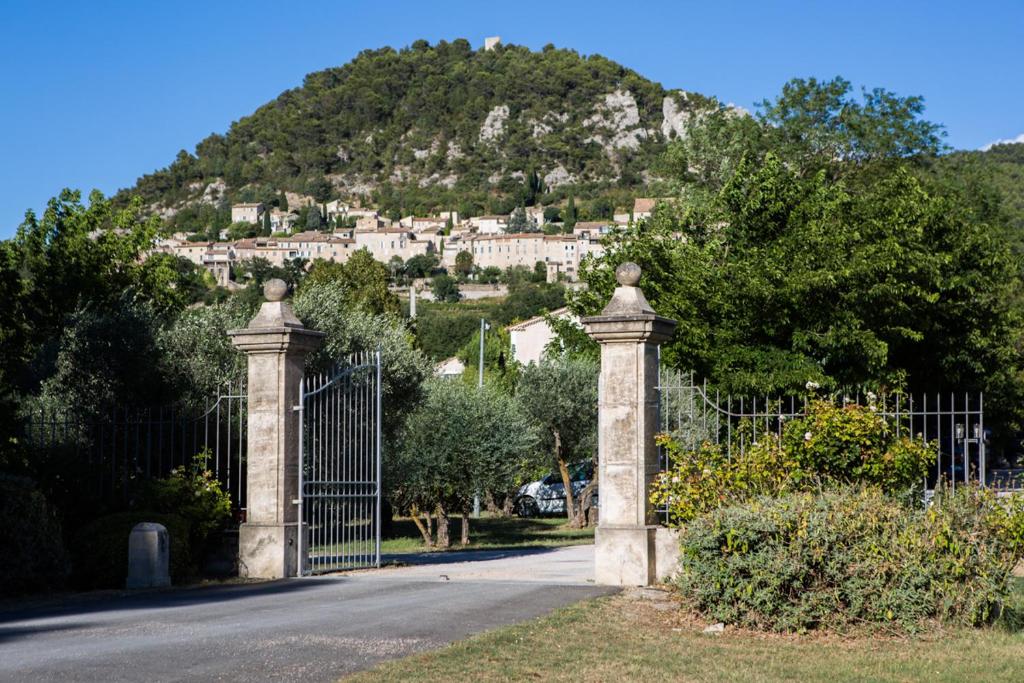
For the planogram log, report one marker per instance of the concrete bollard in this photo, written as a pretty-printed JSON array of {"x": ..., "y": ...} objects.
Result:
[{"x": 148, "y": 556}]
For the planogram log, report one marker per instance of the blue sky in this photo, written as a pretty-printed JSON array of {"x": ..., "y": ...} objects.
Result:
[{"x": 96, "y": 94}]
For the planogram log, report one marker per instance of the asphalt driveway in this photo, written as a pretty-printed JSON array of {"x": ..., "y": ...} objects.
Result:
[{"x": 313, "y": 629}]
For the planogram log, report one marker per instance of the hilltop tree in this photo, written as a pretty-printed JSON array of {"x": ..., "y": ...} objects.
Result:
[{"x": 518, "y": 222}]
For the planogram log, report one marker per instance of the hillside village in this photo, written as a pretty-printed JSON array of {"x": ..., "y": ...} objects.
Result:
[{"x": 520, "y": 239}]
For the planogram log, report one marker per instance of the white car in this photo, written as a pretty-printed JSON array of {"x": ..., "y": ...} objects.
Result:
[{"x": 547, "y": 496}]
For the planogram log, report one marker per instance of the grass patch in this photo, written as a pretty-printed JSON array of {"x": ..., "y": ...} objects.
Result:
[
  {"x": 624, "y": 638},
  {"x": 492, "y": 533}
]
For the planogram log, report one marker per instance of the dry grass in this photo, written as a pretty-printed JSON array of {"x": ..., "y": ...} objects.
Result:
[{"x": 628, "y": 638}]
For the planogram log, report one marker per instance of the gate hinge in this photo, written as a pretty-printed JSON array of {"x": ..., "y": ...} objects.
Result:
[
  {"x": 295, "y": 501},
  {"x": 297, "y": 408}
]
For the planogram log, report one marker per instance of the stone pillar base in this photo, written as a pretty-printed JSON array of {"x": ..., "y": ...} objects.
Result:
[
  {"x": 625, "y": 555},
  {"x": 267, "y": 551}
]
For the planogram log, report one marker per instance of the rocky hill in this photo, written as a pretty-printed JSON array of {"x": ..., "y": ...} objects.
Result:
[{"x": 436, "y": 126}]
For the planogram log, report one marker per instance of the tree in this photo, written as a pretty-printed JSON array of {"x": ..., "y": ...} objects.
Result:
[
  {"x": 445, "y": 288},
  {"x": 459, "y": 442},
  {"x": 327, "y": 306},
  {"x": 313, "y": 219},
  {"x": 266, "y": 232},
  {"x": 421, "y": 265},
  {"x": 464, "y": 263},
  {"x": 364, "y": 279},
  {"x": 518, "y": 222},
  {"x": 570, "y": 212},
  {"x": 561, "y": 397},
  {"x": 869, "y": 278}
]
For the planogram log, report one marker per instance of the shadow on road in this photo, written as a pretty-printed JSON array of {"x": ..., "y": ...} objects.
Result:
[
  {"x": 104, "y": 601},
  {"x": 455, "y": 556}
]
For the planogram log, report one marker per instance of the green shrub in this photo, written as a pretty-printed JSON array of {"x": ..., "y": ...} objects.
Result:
[
  {"x": 194, "y": 494},
  {"x": 830, "y": 446},
  {"x": 100, "y": 548},
  {"x": 32, "y": 556},
  {"x": 847, "y": 557}
]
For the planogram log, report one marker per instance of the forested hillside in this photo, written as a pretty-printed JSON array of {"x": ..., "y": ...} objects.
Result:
[
  {"x": 437, "y": 127},
  {"x": 996, "y": 177}
]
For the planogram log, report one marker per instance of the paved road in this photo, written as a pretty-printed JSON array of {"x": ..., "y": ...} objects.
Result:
[{"x": 314, "y": 629}]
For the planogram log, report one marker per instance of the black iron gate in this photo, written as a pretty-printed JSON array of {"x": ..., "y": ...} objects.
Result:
[{"x": 340, "y": 467}]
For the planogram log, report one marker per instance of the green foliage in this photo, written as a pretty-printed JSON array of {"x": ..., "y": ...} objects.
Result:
[
  {"x": 788, "y": 268},
  {"x": 421, "y": 265},
  {"x": 526, "y": 300},
  {"x": 99, "y": 550},
  {"x": 855, "y": 444},
  {"x": 324, "y": 306},
  {"x": 847, "y": 558},
  {"x": 363, "y": 279},
  {"x": 194, "y": 494},
  {"x": 196, "y": 353},
  {"x": 830, "y": 446},
  {"x": 461, "y": 441},
  {"x": 464, "y": 262},
  {"x": 30, "y": 540},
  {"x": 561, "y": 396},
  {"x": 445, "y": 288},
  {"x": 102, "y": 359}
]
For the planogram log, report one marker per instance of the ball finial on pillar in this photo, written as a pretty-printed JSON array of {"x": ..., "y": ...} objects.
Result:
[
  {"x": 628, "y": 274},
  {"x": 275, "y": 290}
]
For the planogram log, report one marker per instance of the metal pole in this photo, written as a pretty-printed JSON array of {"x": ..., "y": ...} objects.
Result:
[{"x": 480, "y": 384}]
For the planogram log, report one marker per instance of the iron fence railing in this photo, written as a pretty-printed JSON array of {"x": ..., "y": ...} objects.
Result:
[
  {"x": 694, "y": 413},
  {"x": 109, "y": 454}
]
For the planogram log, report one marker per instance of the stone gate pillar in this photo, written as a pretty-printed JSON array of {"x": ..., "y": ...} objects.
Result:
[
  {"x": 629, "y": 333},
  {"x": 276, "y": 344}
]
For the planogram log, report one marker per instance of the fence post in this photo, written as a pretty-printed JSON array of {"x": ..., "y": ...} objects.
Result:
[
  {"x": 629, "y": 333},
  {"x": 276, "y": 344}
]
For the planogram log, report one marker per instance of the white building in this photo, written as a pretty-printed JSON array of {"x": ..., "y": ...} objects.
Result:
[
  {"x": 450, "y": 368},
  {"x": 490, "y": 225},
  {"x": 530, "y": 337},
  {"x": 246, "y": 213}
]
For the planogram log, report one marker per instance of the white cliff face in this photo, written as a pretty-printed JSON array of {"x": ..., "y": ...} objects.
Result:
[
  {"x": 675, "y": 117},
  {"x": 616, "y": 123},
  {"x": 559, "y": 176},
  {"x": 494, "y": 124}
]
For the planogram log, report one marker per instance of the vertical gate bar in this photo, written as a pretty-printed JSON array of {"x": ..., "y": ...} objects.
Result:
[
  {"x": 967, "y": 438},
  {"x": 243, "y": 426},
  {"x": 938, "y": 432},
  {"x": 952, "y": 438},
  {"x": 346, "y": 434},
  {"x": 300, "y": 564},
  {"x": 982, "y": 451},
  {"x": 227, "y": 457},
  {"x": 216, "y": 441},
  {"x": 379, "y": 473},
  {"x": 318, "y": 403},
  {"x": 335, "y": 447}
]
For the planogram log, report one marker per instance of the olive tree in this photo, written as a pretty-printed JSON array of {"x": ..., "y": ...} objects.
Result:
[
  {"x": 460, "y": 441},
  {"x": 561, "y": 397}
]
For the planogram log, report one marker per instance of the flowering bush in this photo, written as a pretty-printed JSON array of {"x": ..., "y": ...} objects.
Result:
[
  {"x": 193, "y": 493},
  {"x": 829, "y": 446},
  {"x": 855, "y": 443}
]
